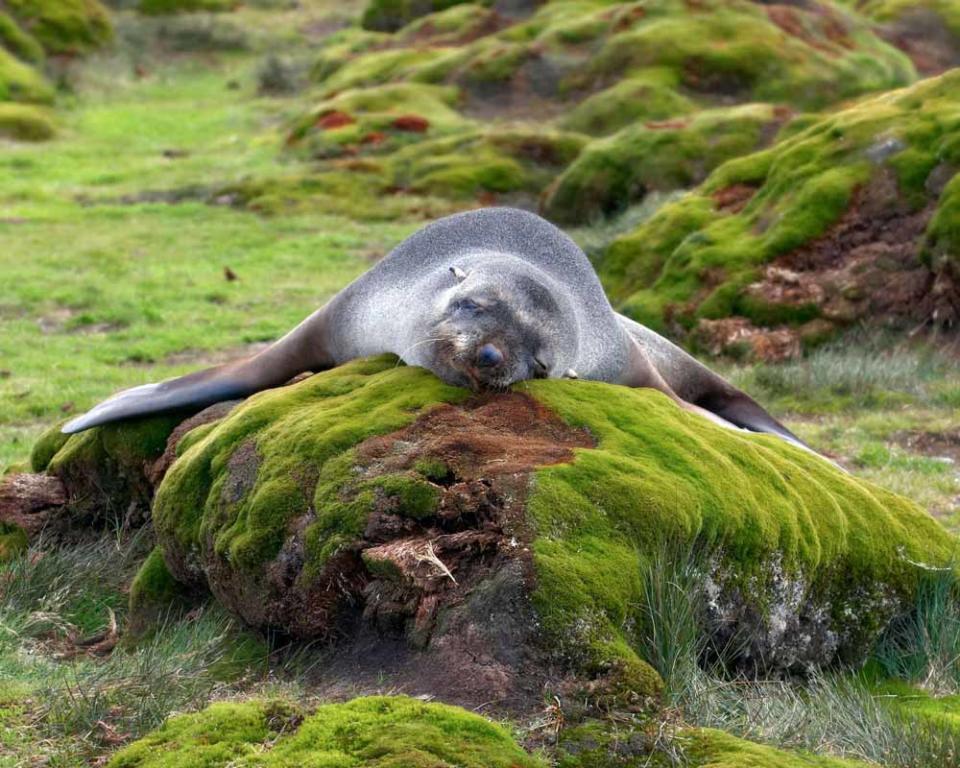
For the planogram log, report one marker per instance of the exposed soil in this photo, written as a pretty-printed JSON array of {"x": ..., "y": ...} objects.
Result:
[
  {"x": 940, "y": 445},
  {"x": 866, "y": 267},
  {"x": 732, "y": 334},
  {"x": 443, "y": 600},
  {"x": 922, "y": 35}
]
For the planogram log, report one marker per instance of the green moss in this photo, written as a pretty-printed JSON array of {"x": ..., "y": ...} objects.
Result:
[
  {"x": 376, "y": 731},
  {"x": 709, "y": 748},
  {"x": 295, "y": 442},
  {"x": 391, "y": 15},
  {"x": 19, "y": 43},
  {"x": 753, "y": 497},
  {"x": 166, "y": 7},
  {"x": 462, "y": 21},
  {"x": 648, "y": 95},
  {"x": 47, "y": 446},
  {"x": 104, "y": 469},
  {"x": 13, "y": 541},
  {"x": 21, "y": 82},
  {"x": 63, "y": 26},
  {"x": 469, "y": 164},
  {"x": 153, "y": 589},
  {"x": 693, "y": 258},
  {"x": 942, "y": 242},
  {"x": 615, "y": 172}
]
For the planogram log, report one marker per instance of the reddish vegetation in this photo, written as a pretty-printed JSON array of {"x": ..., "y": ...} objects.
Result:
[
  {"x": 734, "y": 198},
  {"x": 794, "y": 25},
  {"x": 374, "y": 138},
  {"x": 336, "y": 119},
  {"x": 631, "y": 17},
  {"x": 411, "y": 124}
]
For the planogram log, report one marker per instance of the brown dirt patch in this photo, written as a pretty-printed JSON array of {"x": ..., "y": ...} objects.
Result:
[
  {"x": 737, "y": 334},
  {"x": 945, "y": 445},
  {"x": 335, "y": 119},
  {"x": 442, "y": 600},
  {"x": 734, "y": 198},
  {"x": 411, "y": 124},
  {"x": 866, "y": 267}
]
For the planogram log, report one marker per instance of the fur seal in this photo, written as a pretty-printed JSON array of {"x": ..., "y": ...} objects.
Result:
[{"x": 482, "y": 299}]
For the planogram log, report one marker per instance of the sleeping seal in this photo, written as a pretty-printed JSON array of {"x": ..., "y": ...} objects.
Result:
[{"x": 482, "y": 299}]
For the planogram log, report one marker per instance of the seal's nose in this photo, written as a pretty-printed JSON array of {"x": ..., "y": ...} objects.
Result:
[{"x": 488, "y": 356}]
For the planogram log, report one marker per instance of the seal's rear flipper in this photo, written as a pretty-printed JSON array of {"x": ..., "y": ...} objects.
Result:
[
  {"x": 305, "y": 348},
  {"x": 194, "y": 392}
]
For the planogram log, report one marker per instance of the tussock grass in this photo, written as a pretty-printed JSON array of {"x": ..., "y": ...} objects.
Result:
[
  {"x": 835, "y": 713},
  {"x": 861, "y": 370},
  {"x": 73, "y": 704}
]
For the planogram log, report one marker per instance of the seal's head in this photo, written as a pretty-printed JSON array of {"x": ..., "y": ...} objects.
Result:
[{"x": 496, "y": 327}]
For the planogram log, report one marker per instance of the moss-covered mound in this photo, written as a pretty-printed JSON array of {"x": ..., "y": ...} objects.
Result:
[
  {"x": 384, "y": 731},
  {"x": 375, "y": 490},
  {"x": 30, "y": 32},
  {"x": 849, "y": 219},
  {"x": 376, "y": 731},
  {"x": 657, "y": 156},
  {"x": 445, "y": 70}
]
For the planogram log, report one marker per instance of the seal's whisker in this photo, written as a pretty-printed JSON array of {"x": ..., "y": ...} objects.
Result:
[{"x": 431, "y": 340}]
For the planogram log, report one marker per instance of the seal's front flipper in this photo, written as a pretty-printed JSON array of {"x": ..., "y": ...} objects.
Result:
[{"x": 305, "y": 348}]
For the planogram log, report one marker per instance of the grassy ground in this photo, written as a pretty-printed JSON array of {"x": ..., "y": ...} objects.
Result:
[{"x": 106, "y": 284}]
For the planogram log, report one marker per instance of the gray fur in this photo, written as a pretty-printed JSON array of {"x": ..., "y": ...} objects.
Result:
[{"x": 496, "y": 275}]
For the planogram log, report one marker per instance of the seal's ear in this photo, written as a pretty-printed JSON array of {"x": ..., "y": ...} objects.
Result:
[{"x": 459, "y": 274}]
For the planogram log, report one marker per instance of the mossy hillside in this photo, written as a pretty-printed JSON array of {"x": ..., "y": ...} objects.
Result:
[
  {"x": 299, "y": 436},
  {"x": 614, "y": 172},
  {"x": 808, "y": 57},
  {"x": 375, "y": 731},
  {"x": 63, "y": 26},
  {"x": 670, "y": 265},
  {"x": 506, "y": 161},
  {"x": 899, "y": 10},
  {"x": 662, "y": 474}
]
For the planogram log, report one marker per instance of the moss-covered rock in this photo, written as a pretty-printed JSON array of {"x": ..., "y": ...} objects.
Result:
[
  {"x": 335, "y": 481},
  {"x": 662, "y": 156},
  {"x": 63, "y": 26},
  {"x": 106, "y": 470},
  {"x": 850, "y": 219},
  {"x": 376, "y": 731},
  {"x": 25, "y": 122},
  {"x": 710, "y": 748}
]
